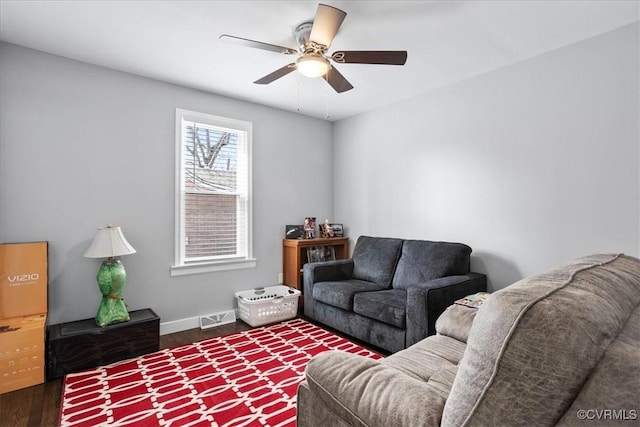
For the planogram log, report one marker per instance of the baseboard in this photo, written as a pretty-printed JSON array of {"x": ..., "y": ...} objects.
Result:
[{"x": 182, "y": 325}]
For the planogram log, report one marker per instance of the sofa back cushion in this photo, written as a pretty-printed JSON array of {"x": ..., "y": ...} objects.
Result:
[
  {"x": 615, "y": 382},
  {"x": 423, "y": 260},
  {"x": 534, "y": 344},
  {"x": 375, "y": 259}
]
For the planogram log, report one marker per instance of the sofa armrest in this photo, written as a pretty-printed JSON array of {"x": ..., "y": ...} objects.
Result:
[
  {"x": 427, "y": 301},
  {"x": 361, "y": 391},
  {"x": 329, "y": 271},
  {"x": 456, "y": 322}
]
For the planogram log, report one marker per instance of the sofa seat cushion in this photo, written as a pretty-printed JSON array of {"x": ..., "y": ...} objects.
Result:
[
  {"x": 375, "y": 259},
  {"x": 388, "y": 306},
  {"x": 340, "y": 294},
  {"x": 364, "y": 392},
  {"x": 422, "y": 260},
  {"x": 435, "y": 358}
]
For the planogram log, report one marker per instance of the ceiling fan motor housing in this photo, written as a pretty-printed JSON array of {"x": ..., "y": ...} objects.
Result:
[{"x": 301, "y": 34}]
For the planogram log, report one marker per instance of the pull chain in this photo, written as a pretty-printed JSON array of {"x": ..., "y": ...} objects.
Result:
[
  {"x": 298, "y": 91},
  {"x": 326, "y": 105}
]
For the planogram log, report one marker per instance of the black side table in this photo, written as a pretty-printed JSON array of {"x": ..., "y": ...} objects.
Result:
[{"x": 80, "y": 345}]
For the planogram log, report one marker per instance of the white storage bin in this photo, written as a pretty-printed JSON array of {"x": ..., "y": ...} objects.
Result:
[{"x": 272, "y": 304}]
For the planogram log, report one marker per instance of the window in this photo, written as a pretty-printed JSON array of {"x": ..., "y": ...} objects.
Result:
[{"x": 213, "y": 194}]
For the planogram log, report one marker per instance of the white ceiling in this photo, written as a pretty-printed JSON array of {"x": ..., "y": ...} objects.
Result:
[{"x": 177, "y": 41}]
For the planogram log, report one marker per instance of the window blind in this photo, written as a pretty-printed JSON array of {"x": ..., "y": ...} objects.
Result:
[{"x": 215, "y": 196}]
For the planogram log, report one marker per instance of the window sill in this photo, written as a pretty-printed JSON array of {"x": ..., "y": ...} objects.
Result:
[{"x": 209, "y": 267}]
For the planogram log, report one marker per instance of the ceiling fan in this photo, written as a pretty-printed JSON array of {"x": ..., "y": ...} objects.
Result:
[{"x": 313, "y": 39}]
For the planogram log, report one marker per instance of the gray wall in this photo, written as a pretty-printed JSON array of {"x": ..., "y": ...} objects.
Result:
[
  {"x": 532, "y": 165},
  {"x": 83, "y": 146}
]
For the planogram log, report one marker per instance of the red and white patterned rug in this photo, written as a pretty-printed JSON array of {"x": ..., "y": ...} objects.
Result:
[{"x": 247, "y": 378}]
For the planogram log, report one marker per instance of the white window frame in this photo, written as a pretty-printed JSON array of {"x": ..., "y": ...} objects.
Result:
[{"x": 181, "y": 267}]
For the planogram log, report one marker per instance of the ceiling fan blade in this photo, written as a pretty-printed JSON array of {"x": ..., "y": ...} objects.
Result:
[
  {"x": 326, "y": 23},
  {"x": 337, "y": 81},
  {"x": 385, "y": 57},
  {"x": 258, "y": 45},
  {"x": 280, "y": 72}
]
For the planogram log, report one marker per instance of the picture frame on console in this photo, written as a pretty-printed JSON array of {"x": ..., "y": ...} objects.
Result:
[
  {"x": 310, "y": 227},
  {"x": 326, "y": 232},
  {"x": 293, "y": 231},
  {"x": 338, "y": 230},
  {"x": 321, "y": 254}
]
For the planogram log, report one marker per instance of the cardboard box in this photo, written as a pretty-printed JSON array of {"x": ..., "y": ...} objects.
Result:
[
  {"x": 22, "y": 362},
  {"x": 23, "y": 279},
  {"x": 23, "y": 314}
]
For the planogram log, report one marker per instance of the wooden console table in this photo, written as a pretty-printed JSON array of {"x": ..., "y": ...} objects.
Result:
[{"x": 294, "y": 256}]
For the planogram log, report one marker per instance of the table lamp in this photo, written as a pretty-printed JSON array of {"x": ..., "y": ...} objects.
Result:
[{"x": 110, "y": 243}]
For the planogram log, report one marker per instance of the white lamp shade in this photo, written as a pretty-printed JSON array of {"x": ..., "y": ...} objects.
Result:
[{"x": 109, "y": 242}]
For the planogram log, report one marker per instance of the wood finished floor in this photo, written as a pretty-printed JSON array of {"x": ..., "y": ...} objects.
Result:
[{"x": 39, "y": 405}]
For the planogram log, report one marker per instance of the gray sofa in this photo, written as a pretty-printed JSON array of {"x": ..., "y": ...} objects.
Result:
[
  {"x": 561, "y": 348},
  {"x": 391, "y": 291}
]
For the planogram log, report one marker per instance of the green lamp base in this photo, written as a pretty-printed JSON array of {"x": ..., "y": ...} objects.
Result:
[{"x": 111, "y": 280}]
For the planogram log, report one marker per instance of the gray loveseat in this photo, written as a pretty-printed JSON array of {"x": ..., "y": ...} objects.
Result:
[
  {"x": 561, "y": 348},
  {"x": 391, "y": 291}
]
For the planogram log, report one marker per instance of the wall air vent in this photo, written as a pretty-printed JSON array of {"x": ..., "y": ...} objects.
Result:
[{"x": 217, "y": 319}]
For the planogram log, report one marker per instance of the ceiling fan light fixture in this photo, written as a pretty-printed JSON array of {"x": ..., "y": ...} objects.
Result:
[{"x": 312, "y": 65}]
